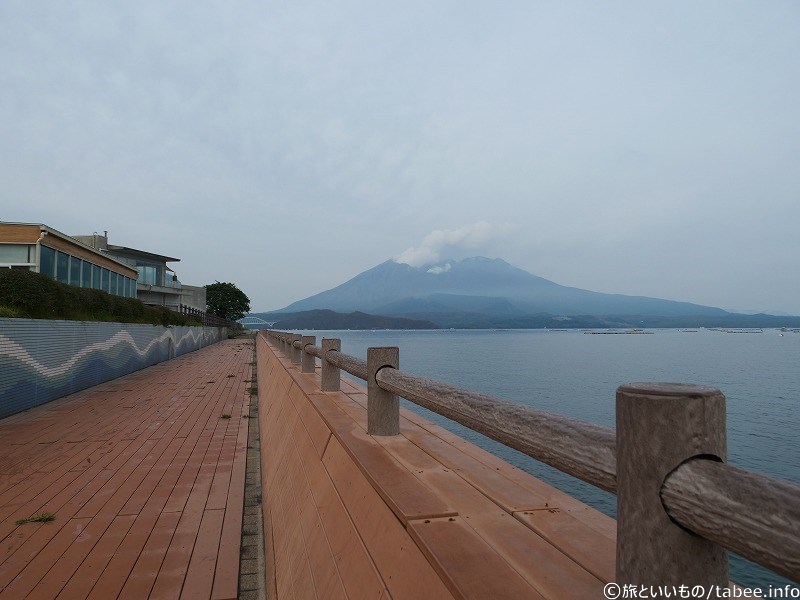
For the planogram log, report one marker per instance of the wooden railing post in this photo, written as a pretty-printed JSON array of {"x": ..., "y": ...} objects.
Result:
[
  {"x": 383, "y": 408},
  {"x": 294, "y": 351},
  {"x": 331, "y": 376},
  {"x": 659, "y": 427},
  {"x": 308, "y": 362}
]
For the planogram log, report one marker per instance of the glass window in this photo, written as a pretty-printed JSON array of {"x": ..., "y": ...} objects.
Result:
[
  {"x": 86, "y": 274},
  {"x": 74, "y": 271},
  {"x": 133, "y": 288},
  {"x": 47, "y": 261},
  {"x": 112, "y": 288},
  {"x": 147, "y": 275},
  {"x": 62, "y": 267},
  {"x": 96, "y": 277},
  {"x": 104, "y": 281},
  {"x": 14, "y": 254}
]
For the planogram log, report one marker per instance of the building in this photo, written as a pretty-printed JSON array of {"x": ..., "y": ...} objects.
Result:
[
  {"x": 90, "y": 261},
  {"x": 37, "y": 247},
  {"x": 156, "y": 283}
]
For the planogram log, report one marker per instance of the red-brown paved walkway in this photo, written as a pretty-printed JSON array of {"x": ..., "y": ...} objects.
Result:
[{"x": 144, "y": 477}]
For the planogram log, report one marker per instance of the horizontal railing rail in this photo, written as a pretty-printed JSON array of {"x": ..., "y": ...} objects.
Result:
[
  {"x": 679, "y": 505},
  {"x": 581, "y": 449},
  {"x": 750, "y": 514}
]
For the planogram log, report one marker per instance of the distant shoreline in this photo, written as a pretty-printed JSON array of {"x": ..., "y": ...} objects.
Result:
[{"x": 328, "y": 319}]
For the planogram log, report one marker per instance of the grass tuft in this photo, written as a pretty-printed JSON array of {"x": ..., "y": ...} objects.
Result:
[
  {"x": 224, "y": 416},
  {"x": 40, "y": 518}
]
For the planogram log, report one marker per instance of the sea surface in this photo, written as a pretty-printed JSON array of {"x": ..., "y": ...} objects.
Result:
[{"x": 576, "y": 374}]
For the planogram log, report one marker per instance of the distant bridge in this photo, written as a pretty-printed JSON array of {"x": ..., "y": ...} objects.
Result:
[{"x": 255, "y": 322}]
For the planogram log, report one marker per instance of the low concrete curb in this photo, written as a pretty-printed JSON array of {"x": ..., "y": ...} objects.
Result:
[{"x": 252, "y": 565}]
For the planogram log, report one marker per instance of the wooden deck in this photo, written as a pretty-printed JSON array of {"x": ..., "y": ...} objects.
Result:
[
  {"x": 424, "y": 514},
  {"x": 145, "y": 479}
]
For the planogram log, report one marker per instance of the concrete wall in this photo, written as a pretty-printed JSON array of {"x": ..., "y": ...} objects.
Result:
[
  {"x": 156, "y": 295},
  {"x": 194, "y": 296},
  {"x": 41, "y": 360}
]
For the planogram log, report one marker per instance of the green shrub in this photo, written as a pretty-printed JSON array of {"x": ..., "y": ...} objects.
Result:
[
  {"x": 29, "y": 294},
  {"x": 13, "y": 313},
  {"x": 34, "y": 294}
]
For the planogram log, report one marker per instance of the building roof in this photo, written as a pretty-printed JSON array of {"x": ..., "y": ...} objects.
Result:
[
  {"x": 141, "y": 253},
  {"x": 69, "y": 239}
]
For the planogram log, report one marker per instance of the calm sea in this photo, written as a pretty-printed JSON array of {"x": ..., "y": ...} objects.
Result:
[{"x": 576, "y": 374}]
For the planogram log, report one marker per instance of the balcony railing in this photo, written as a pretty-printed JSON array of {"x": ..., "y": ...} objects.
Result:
[
  {"x": 679, "y": 505},
  {"x": 207, "y": 319}
]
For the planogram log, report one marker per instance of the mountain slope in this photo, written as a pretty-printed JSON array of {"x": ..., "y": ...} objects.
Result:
[{"x": 483, "y": 286}]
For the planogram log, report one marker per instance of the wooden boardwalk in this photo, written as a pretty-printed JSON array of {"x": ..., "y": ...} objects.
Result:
[{"x": 145, "y": 478}]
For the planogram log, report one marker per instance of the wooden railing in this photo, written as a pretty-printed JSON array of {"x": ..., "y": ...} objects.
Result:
[
  {"x": 207, "y": 319},
  {"x": 679, "y": 505}
]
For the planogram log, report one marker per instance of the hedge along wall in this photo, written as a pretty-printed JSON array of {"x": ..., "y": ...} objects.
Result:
[{"x": 41, "y": 360}]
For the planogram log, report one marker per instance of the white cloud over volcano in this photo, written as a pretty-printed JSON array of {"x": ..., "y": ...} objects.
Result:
[{"x": 480, "y": 238}]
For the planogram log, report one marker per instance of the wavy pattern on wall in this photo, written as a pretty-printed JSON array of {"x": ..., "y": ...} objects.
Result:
[
  {"x": 44, "y": 360},
  {"x": 11, "y": 348}
]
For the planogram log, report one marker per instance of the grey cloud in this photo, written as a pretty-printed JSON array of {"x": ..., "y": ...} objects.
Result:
[{"x": 635, "y": 148}]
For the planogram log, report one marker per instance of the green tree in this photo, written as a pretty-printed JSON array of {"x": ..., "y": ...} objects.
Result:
[{"x": 226, "y": 300}]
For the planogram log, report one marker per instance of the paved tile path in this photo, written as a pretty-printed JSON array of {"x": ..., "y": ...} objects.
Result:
[{"x": 145, "y": 478}]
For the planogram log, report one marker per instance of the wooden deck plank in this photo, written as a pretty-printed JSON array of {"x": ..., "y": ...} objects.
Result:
[
  {"x": 404, "y": 572},
  {"x": 506, "y": 492},
  {"x": 143, "y": 575},
  {"x": 545, "y": 565},
  {"x": 44, "y": 480},
  {"x": 326, "y": 579},
  {"x": 318, "y": 431},
  {"x": 90, "y": 570},
  {"x": 469, "y": 566},
  {"x": 555, "y": 497},
  {"x": 200, "y": 574},
  {"x": 226, "y": 576},
  {"x": 64, "y": 568},
  {"x": 113, "y": 578},
  {"x": 28, "y": 569},
  {"x": 512, "y": 488},
  {"x": 63, "y": 496},
  {"x": 356, "y": 570},
  {"x": 398, "y": 486},
  {"x": 585, "y": 545},
  {"x": 145, "y": 480},
  {"x": 359, "y": 576}
]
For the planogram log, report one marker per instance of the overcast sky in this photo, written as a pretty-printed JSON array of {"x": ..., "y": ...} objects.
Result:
[{"x": 648, "y": 148}]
